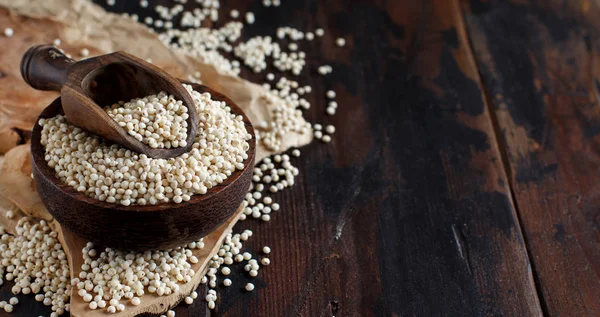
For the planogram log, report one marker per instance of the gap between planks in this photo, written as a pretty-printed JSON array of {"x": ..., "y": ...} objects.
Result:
[{"x": 500, "y": 142}]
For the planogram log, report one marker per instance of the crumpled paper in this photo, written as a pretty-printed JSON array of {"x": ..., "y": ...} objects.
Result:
[
  {"x": 81, "y": 24},
  {"x": 17, "y": 184}
]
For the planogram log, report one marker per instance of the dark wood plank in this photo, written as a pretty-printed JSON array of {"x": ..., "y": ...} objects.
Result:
[
  {"x": 408, "y": 211},
  {"x": 539, "y": 62}
]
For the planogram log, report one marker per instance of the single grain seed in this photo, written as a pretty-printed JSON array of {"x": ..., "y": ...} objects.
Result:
[{"x": 250, "y": 18}]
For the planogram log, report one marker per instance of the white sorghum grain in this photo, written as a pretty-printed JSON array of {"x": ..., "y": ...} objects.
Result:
[
  {"x": 330, "y": 129},
  {"x": 250, "y": 18},
  {"x": 265, "y": 261},
  {"x": 205, "y": 43},
  {"x": 114, "y": 275},
  {"x": 340, "y": 42},
  {"x": 234, "y": 14},
  {"x": 84, "y": 52},
  {"x": 35, "y": 247},
  {"x": 116, "y": 175},
  {"x": 188, "y": 300},
  {"x": 331, "y": 94},
  {"x": 249, "y": 287},
  {"x": 8, "y": 32},
  {"x": 266, "y": 250},
  {"x": 157, "y": 120},
  {"x": 326, "y": 138},
  {"x": 319, "y": 32},
  {"x": 325, "y": 69}
]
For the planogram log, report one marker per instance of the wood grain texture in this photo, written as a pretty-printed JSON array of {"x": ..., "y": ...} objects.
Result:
[
  {"x": 91, "y": 84},
  {"x": 161, "y": 226},
  {"x": 540, "y": 64},
  {"x": 409, "y": 211}
]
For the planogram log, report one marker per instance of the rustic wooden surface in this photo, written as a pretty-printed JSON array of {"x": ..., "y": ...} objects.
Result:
[
  {"x": 539, "y": 63},
  {"x": 462, "y": 179}
]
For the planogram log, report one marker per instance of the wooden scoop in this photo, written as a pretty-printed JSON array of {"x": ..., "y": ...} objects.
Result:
[{"x": 87, "y": 85}]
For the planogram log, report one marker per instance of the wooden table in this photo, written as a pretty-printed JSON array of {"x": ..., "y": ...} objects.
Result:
[{"x": 464, "y": 176}]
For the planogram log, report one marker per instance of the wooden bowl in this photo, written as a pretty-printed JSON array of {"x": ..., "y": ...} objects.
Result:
[{"x": 161, "y": 226}]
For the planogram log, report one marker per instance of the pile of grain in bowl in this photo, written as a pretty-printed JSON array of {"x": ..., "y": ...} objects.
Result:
[{"x": 110, "y": 173}]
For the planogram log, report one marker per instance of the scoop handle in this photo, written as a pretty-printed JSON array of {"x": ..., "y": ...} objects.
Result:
[{"x": 44, "y": 67}]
